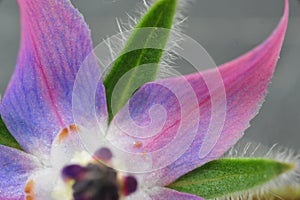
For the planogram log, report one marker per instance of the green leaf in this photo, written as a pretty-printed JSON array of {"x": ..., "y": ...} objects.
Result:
[
  {"x": 225, "y": 177},
  {"x": 137, "y": 53},
  {"x": 6, "y": 138}
]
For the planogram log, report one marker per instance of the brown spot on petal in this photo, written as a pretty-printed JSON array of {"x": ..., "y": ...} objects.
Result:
[
  {"x": 30, "y": 198},
  {"x": 74, "y": 128},
  {"x": 137, "y": 144},
  {"x": 63, "y": 135},
  {"x": 65, "y": 132},
  {"x": 144, "y": 154},
  {"x": 29, "y": 187},
  {"x": 29, "y": 190}
]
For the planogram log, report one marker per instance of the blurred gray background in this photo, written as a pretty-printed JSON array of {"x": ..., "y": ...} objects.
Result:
[{"x": 226, "y": 28}]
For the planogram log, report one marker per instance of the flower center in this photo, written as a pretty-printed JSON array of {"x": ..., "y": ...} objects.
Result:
[{"x": 98, "y": 181}]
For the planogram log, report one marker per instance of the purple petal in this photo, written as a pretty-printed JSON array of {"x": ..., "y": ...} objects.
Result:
[
  {"x": 185, "y": 135},
  {"x": 37, "y": 104},
  {"x": 15, "y": 168}
]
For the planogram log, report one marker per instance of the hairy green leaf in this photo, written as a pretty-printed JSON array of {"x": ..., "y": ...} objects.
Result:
[
  {"x": 225, "y": 177},
  {"x": 6, "y": 138},
  {"x": 137, "y": 53}
]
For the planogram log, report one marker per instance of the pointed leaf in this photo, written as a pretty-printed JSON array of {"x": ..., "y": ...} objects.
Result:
[
  {"x": 6, "y": 138},
  {"x": 225, "y": 177},
  {"x": 136, "y": 54}
]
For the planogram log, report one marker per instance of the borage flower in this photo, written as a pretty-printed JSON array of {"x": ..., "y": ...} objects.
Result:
[{"x": 37, "y": 109}]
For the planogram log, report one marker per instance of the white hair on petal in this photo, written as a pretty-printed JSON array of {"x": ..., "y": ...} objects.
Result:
[
  {"x": 117, "y": 43},
  {"x": 289, "y": 179}
]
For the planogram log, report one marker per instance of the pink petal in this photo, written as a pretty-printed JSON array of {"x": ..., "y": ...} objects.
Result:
[
  {"x": 15, "y": 167},
  {"x": 185, "y": 135},
  {"x": 37, "y": 104}
]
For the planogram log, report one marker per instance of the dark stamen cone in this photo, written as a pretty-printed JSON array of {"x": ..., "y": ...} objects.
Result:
[{"x": 97, "y": 181}]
